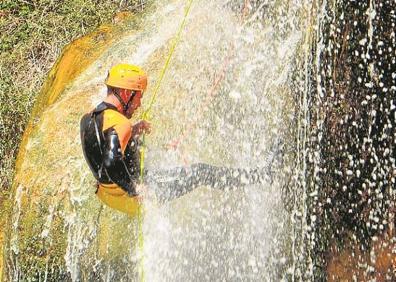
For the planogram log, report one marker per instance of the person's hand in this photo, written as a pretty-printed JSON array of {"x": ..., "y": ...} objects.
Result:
[
  {"x": 141, "y": 189},
  {"x": 141, "y": 127}
]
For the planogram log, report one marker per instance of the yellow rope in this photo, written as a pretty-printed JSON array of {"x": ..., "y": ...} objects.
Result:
[
  {"x": 145, "y": 115},
  {"x": 140, "y": 242}
]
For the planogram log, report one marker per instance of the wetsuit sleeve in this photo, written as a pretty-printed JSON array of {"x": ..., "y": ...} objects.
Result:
[{"x": 113, "y": 160}]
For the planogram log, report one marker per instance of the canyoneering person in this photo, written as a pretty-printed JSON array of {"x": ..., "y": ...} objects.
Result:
[
  {"x": 110, "y": 142},
  {"x": 111, "y": 148}
]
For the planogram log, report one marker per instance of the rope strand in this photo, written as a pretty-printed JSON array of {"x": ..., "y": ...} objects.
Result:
[{"x": 145, "y": 115}]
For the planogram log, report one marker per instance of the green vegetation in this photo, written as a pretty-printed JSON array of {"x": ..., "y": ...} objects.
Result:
[{"x": 32, "y": 35}]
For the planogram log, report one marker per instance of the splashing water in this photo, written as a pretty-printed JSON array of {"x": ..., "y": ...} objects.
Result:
[{"x": 225, "y": 100}]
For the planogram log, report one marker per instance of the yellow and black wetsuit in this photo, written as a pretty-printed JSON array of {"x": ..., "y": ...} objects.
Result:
[{"x": 112, "y": 155}]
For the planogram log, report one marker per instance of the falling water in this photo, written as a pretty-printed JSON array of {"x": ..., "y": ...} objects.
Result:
[{"x": 228, "y": 99}]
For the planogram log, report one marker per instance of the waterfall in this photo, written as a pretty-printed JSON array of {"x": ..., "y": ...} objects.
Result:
[{"x": 228, "y": 99}]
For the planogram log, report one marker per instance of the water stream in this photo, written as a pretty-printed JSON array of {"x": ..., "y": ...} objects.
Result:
[{"x": 228, "y": 99}]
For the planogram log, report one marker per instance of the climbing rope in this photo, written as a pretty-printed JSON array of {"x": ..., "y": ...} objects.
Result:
[
  {"x": 146, "y": 113},
  {"x": 145, "y": 116},
  {"x": 174, "y": 144},
  {"x": 140, "y": 243},
  {"x": 212, "y": 91}
]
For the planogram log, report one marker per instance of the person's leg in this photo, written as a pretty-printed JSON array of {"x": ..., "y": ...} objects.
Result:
[{"x": 174, "y": 183}]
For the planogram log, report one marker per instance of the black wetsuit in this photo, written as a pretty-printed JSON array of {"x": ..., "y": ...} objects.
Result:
[
  {"x": 102, "y": 152},
  {"x": 176, "y": 182}
]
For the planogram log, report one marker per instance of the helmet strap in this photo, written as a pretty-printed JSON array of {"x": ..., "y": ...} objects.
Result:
[
  {"x": 130, "y": 100},
  {"x": 124, "y": 105}
]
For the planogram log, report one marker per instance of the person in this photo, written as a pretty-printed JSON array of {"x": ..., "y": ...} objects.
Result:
[
  {"x": 110, "y": 145},
  {"x": 109, "y": 141}
]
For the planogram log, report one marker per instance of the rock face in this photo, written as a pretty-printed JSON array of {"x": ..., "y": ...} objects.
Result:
[{"x": 353, "y": 137}]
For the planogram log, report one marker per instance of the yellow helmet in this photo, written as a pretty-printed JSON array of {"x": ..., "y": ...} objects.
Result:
[{"x": 127, "y": 77}]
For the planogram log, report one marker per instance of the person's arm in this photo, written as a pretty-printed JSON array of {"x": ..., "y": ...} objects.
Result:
[{"x": 116, "y": 139}]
